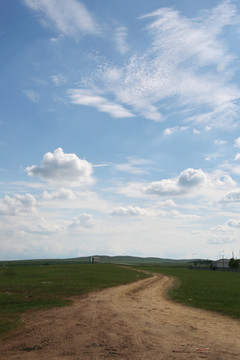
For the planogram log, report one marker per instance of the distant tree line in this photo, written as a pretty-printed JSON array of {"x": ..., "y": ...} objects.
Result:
[{"x": 233, "y": 263}]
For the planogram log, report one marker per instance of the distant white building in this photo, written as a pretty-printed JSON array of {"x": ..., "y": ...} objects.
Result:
[
  {"x": 221, "y": 263},
  {"x": 94, "y": 259}
]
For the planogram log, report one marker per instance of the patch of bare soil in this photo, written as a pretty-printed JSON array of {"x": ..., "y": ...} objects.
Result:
[{"x": 134, "y": 322}]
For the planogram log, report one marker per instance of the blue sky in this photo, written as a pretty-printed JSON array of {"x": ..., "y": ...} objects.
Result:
[{"x": 119, "y": 128}]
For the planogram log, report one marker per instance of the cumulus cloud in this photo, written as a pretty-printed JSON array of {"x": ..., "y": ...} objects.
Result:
[
  {"x": 191, "y": 177},
  {"x": 62, "y": 168},
  {"x": 70, "y": 18},
  {"x": 167, "y": 203},
  {"x": 184, "y": 183},
  {"x": 233, "y": 223},
  {"x": 90, "y": 98},
  {"x": 129, "y": 211},
  {"x": 231, "y": 197},
  {"x": 61, "y": 194},
  {"x": 83, "y": 220},
  {"x": 224, "y": 181},
  {"x": 17, "y": 204}
]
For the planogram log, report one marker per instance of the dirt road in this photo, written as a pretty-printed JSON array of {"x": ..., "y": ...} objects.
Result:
[{"x": 133, "y": 322}]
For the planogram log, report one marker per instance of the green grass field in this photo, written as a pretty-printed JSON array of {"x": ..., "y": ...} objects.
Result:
[
  {"x": 37, "y": 287},
  {"x": 211, "y": 290},
  {"x": 43, "y": 286}
]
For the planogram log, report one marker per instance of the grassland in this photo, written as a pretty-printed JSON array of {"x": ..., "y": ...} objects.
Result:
[
  {"x": 41, "y": 286},
  {"x": 211, "y": 290}
]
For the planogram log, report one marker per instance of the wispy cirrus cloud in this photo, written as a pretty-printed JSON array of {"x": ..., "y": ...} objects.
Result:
[
  {"x": 185, "y": 63},
  {"x": 32, "y": 95},
  {"x": 70, "y": 18},
  {"x": 134, "y": 166},
  {"x": 90, "y": 98},
  {"x": 58, "y": 79},
  {"x": 120, "y": 40}
]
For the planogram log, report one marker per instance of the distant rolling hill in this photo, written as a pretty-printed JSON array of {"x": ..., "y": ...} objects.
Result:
[
  {"x": 104, "y": 259},
  {"x": 134, "y": 260}
]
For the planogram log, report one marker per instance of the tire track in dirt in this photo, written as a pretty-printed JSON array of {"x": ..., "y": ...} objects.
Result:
[{"x": 133, "y": 322}]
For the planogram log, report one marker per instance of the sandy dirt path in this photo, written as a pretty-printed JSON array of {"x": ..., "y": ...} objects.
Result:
[{"x": 133, "y": 321}]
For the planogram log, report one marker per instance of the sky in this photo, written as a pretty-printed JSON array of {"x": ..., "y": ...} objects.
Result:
[{"x": 119, "y": 128}]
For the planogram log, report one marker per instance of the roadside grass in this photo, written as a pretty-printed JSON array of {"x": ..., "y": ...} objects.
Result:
[
  {"x": 36, "y": 287},
  {"x": 211, "y": 290}
]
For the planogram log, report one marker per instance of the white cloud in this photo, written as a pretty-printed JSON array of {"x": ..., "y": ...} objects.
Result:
[
  {"x": 18, "y": 204},
  {"x": 58, "y": 79},
  {"x": 237, "y": 157},
  {"x": 134, "y": 166},
  {"x": 181, "y": 64},
  {"x": 212, "y": 157},
  {"x": 40, "y": 226},
  {"x": 190, "y": 37},
  {"x": 196, "y": 132},
  {"x": 89, "y": 98},
  {"x": 167, "y": 203},
  {"x": 236, "y": 170},
  {"x": 82, "y": 221},
  {"x": 237, "y": 142},
  {"x": 32, "y": 95},
  {"x": 70, "y": 18},
  {"x": 170, "y": 131},
  {"x": 59, "y": 195},
  {"x": 120, "y": 40},
  {"x": 128, "y": 211},
  {"x": 220, "y": 142},
  {"x": 232, "y": 197},
  {"x": 184, "y": 183},
  {"x": 135, "y": 211},
  {"x": 62, "y": 168},
  {"x": 190, "y": 183},
  {"x": 207, "y": 127},
  {"x": 191, "y": 177},
  {"x": 183, "y": 216},
  {"x": 233, "y": 223},
  {"x": 224, "y": 181}
]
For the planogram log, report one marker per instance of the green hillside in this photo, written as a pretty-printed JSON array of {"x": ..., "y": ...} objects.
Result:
[{"x": 103, "y": 259}]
